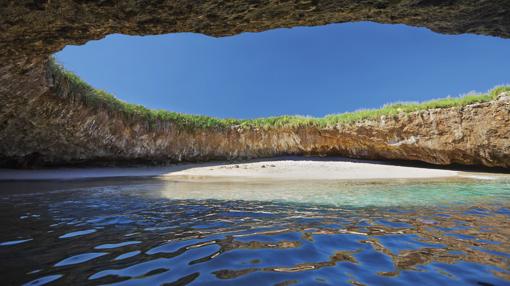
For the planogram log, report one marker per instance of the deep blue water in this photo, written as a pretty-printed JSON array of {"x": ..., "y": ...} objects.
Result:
[{"x": 148, "y": 232}]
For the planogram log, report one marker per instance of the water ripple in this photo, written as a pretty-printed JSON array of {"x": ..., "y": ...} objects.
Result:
[
  {"x": 155, "y": 240},
  {"x": 78, "y": 233},
  {"x": 80, "y": 258}
]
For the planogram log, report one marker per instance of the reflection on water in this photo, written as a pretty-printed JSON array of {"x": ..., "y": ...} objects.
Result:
[{"x": 153, "y": 232}]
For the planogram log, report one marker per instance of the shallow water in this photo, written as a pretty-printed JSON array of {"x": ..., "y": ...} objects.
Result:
[{"x": 157, "y": 232}]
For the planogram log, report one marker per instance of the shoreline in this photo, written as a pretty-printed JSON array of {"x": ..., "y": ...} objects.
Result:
[{"x": 282, "y": 169}]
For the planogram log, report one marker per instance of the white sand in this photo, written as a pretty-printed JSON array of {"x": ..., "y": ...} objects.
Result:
[
  {"x": 271, "y": 169},
  {"x": 311, "y": 170}
]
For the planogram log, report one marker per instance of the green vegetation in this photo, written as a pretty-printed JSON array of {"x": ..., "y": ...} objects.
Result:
[{"x": 98, "y": 98}]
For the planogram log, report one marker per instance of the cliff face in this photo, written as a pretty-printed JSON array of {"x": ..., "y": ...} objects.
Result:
[
  {"x": 43, "y": 122},
  {"x": 54, "y": 126}
]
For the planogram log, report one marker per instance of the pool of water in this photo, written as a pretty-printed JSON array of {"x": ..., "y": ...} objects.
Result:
[{"x": 160, "y": 232}]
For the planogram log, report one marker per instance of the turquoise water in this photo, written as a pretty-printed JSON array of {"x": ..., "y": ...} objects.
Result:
[
  {"x": 157, "y": 232},
  {"x": 378, "y": 194}
]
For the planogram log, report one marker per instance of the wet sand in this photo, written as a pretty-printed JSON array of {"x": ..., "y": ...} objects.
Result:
[{"x": 286, "y": 168}]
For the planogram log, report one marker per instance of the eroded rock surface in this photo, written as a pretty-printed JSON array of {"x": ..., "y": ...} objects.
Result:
[
  {"x": 38, "y": 28},
  {"x": 43, "y": 122},
  {"x": 46, "y": 122}
]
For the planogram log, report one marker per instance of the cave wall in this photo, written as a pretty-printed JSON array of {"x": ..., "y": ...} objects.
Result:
[
  {"x": 43, "y": 123},
  {"x": 49, "y": 123},
  {"x": 38, "y": 28}
]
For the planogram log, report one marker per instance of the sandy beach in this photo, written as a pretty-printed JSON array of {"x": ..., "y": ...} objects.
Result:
[{"x": 270, "y": 169}]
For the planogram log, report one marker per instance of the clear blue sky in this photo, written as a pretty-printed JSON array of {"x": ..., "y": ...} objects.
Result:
[{"x": 306, "y": 70}]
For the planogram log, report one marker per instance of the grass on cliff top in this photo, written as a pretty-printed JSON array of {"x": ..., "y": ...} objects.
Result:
[{"x": 99, "y": 98}]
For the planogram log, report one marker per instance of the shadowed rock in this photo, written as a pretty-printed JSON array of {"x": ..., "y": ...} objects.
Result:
[{"x": 39, "y": 28}]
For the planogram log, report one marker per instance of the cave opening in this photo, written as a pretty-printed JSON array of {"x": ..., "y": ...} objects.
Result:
[{"x": 311, "y": 71}]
